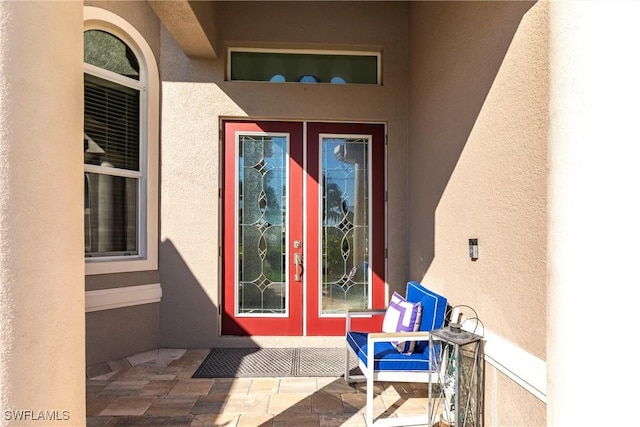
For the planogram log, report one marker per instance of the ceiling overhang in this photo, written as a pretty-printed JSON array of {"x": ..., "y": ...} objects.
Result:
[{"x": 191, "y": 23}]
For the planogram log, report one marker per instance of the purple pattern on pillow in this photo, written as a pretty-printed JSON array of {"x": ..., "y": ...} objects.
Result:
[{"x": 402, "y": 316}]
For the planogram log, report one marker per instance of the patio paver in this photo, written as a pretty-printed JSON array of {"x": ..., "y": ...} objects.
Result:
[
  {"x": 290, "y": 403},
  {"x": 209, "y": 404},
  {"x": 156, "y": 388},
  {"x": 247, "y": 404},
  {"x": 190, "y": 387},
  {"x": 129, "y": 405}
]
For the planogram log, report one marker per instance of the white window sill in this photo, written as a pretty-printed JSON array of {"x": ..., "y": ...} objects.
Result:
[
  {"x": 107, "y": 299},
  {"x": 107, "y": 266}
]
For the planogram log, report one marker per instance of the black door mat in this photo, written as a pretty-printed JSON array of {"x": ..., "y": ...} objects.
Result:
[{"x": 275, "y": 362}]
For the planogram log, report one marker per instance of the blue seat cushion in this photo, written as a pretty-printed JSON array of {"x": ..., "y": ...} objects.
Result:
[{"x": 387, "y": 357}]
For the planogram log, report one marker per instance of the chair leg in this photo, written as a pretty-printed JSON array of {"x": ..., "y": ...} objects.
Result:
[
  {"x": 370, "y": 382},
  {"x": 370, "y": 400},
  {"x": 346, "y": 368}
]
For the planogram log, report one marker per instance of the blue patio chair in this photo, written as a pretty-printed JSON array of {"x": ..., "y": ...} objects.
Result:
[{"x": 386, "y": 362}]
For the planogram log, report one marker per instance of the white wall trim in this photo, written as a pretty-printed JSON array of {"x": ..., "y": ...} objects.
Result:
[
  {"x": 522, "y": 367},
  {"x": 107, "y": 299}
]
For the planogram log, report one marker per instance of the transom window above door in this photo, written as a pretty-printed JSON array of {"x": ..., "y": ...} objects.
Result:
[{"x": 304, "y": 66}]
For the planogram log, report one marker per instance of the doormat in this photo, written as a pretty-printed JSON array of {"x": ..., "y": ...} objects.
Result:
[{"x": 275, "y": 362}]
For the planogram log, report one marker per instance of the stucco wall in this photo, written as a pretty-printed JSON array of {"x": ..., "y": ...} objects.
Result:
[
  {"x": 122, "y": 332},
  {"x": 195, "y": 96},
  {"x": 507, "y": 404},
  {"x": 477, "y": 144},
  {"x": 41, "y": 267}
]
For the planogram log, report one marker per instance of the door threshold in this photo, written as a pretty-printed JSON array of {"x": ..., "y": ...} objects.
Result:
[{"x": 228, "y": 341}]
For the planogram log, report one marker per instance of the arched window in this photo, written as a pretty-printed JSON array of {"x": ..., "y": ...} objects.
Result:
[{"x": 121, "y": 111}]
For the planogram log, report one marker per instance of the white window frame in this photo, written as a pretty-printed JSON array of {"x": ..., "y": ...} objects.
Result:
[{"x": 147, "y": 258}]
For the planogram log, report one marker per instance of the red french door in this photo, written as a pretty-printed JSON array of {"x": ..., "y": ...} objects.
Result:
[
  {"x": 303, "y": 234},
  {"x": 345, "y": 209}
]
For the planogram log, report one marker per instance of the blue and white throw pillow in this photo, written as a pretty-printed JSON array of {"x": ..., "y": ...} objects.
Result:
[{"x": 402, "y": 316}]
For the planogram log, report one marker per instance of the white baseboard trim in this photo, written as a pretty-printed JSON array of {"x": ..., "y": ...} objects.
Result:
[
  {"x": 522, "y": 367},
  {"x": 107, "y": 299}
]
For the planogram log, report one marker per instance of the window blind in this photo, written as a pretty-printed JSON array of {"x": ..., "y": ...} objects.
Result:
[{"x": 112, "y": 121}]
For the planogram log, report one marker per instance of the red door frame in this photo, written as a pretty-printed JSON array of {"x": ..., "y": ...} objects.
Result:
[{"x": 315, "y": 323}]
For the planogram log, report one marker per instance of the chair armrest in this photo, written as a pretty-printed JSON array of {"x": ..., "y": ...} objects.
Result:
[
  {"x": 404, "y": 336},
  {"x": 366, "y": 312},
  {"x": 362, "y": 312}
]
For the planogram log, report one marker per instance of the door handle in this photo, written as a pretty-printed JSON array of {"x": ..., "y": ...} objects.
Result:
[{"x": 297, "y": 262}]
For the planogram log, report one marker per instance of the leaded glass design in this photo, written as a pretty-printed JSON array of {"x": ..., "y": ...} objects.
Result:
[
  {"x": 262, "y": 202},
  {"x": 345, "y": 224}
]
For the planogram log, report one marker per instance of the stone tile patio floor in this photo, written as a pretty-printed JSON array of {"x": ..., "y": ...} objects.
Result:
[{"x": 156, "y": 388}]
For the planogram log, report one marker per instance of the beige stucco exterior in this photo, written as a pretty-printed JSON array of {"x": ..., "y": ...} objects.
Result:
[
  {"x": 478, "y": 163},
  {"x": 479, "y": 128},
  {"x": 41, "y": 268},
  {"x": 510, "y": 122}
]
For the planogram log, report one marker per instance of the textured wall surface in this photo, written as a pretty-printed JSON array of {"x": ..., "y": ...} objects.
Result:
[
  {"x": 122, "y": 332},
  {"x": 507, "y": 404},
  {"x": 41, "y": 249},
  {"x": 478, "y": 169}
]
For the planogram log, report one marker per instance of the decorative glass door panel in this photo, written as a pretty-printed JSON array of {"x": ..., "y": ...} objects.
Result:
[
  {"x": 262, "y": 217},
  {"x": 345, "y": 224},
  {"x": 262, "y": 204},
  {"x": 303, "y": 226}
]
